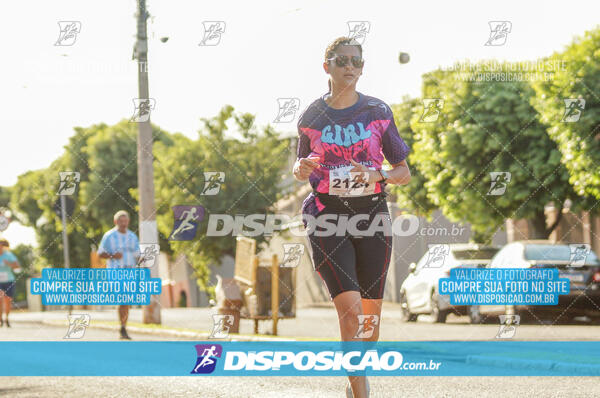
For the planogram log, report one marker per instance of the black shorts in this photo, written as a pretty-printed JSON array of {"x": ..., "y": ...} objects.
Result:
[
  {"x": 358, "y": 262},
  {"x": 8, "y": 288}
]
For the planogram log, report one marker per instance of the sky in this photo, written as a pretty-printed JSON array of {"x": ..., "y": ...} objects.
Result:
[{"x": 269, "y": 50}]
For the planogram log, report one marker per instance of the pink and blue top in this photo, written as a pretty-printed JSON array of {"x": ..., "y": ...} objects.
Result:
[{"x": 364, "y": 132}]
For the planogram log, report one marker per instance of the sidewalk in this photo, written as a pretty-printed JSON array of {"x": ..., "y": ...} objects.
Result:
[{"x": 312, "y": 323}]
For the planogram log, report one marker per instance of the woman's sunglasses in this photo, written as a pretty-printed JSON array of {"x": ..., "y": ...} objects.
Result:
[{"x": 342, "y": 60}]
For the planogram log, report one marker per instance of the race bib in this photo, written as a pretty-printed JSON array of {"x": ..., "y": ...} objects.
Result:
[
  {"x": 343, "y": 182},
  {"x": 3, "y": 276}
]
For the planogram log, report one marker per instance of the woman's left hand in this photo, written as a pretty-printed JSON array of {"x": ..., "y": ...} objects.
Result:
[{"x": 372, "y": 175}]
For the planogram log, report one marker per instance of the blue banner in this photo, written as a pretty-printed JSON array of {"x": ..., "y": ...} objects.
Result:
[
  {"x": 96, "y": 286},
  {"x": 504, "y": 286},
  {"x": 300, "y": 358}
]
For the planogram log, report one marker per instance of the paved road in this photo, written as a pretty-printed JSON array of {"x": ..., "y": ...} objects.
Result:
[
  {"x": 297, "y": 387},
  {"x": 272, "y": 387}
]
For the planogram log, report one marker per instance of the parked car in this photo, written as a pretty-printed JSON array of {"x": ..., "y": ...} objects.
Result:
[
  {"x": 583, "y": 273},
  {"x": 419, "y": 291}
]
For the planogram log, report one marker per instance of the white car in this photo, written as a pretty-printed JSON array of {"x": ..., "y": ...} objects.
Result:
[
  {"x": 575, "y": 261},
  {"x": 419, "y": 291}
]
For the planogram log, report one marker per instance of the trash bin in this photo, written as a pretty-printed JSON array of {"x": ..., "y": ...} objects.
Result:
[{"x": 229, "y": 301}]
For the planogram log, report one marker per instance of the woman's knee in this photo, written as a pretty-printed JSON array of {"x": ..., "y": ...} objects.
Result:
[{"x": 349, "y": 306}]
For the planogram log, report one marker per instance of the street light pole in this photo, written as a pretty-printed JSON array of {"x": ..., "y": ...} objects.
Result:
[
  {"x": 63, "y": 218},
  {"x": 147, "y": 215}
]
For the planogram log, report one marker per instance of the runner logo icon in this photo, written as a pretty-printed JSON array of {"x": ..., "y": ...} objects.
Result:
[
  {"x": 366, "y": 325},
  {"x": 212, "y": 182},
  {"x": 207, "y": 358},
  {"x": 186, "y": 221}
]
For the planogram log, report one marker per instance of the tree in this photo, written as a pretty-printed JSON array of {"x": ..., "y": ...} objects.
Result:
[
  {"x": 485, "y": 127},
  {"x": 252, "y": 163},
  {"x": 4, "y": 196},
  {"x": 105, "y": 157},
  {"x": 576, "y": 78},
  {"x": 412, "y": 196}
]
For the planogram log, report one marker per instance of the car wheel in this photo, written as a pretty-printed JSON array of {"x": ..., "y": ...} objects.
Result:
[
  {"x": 407, "y": 316},
  {"x": 437, "y": 314},
  {"x": 474, "y": 314}
]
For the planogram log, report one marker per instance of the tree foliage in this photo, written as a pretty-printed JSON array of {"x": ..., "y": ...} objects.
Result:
[
  {"x": 484, "y": 127},
  {"x": 412, "y": 196},
  {"x": 577, "y": 77},
  {"x": 252, "y": 163},
  {"x": 105, "y": 157}
]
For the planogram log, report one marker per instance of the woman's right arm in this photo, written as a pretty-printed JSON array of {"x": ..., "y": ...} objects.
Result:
[
  {"x": 304, "y": 167},
  {"x": 305, "y": 164}
]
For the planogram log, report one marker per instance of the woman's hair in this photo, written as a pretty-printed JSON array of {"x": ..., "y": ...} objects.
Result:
[
  {"x": 3, "y": 242},
  {"x": 340, "y": 41}
]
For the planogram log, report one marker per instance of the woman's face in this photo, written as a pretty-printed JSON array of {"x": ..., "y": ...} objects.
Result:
[{"x": 344, "y": 76}]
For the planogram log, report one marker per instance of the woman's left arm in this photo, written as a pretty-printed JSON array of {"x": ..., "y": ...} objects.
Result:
[{"x": 399, "y": 174}]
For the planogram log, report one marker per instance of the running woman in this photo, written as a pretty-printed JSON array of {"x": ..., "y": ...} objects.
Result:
[
  {"x": 122, "y": 249},
  {"x": 8, "y": 262},
  {"x": 343, "y": 132}
]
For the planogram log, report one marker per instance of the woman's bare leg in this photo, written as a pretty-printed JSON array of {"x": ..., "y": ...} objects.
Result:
[
  {"x": 349, "y": 305},
  {"x": 373, "y": 307}
]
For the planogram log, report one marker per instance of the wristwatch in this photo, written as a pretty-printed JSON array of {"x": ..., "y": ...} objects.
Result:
[{"x": 384, "y": 174}]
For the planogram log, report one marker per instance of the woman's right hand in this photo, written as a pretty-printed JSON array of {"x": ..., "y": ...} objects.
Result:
[{"x": 304, "y": 167}]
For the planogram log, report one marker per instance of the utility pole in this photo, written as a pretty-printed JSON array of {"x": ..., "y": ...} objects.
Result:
[
  {"x": 147, "y": 215},
  {"x": 63, "y": 218}
]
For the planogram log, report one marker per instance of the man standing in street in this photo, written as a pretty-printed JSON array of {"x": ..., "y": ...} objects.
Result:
[
  {"x": 122, "y": 249},
  {"x": 8, "y": 262}
]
